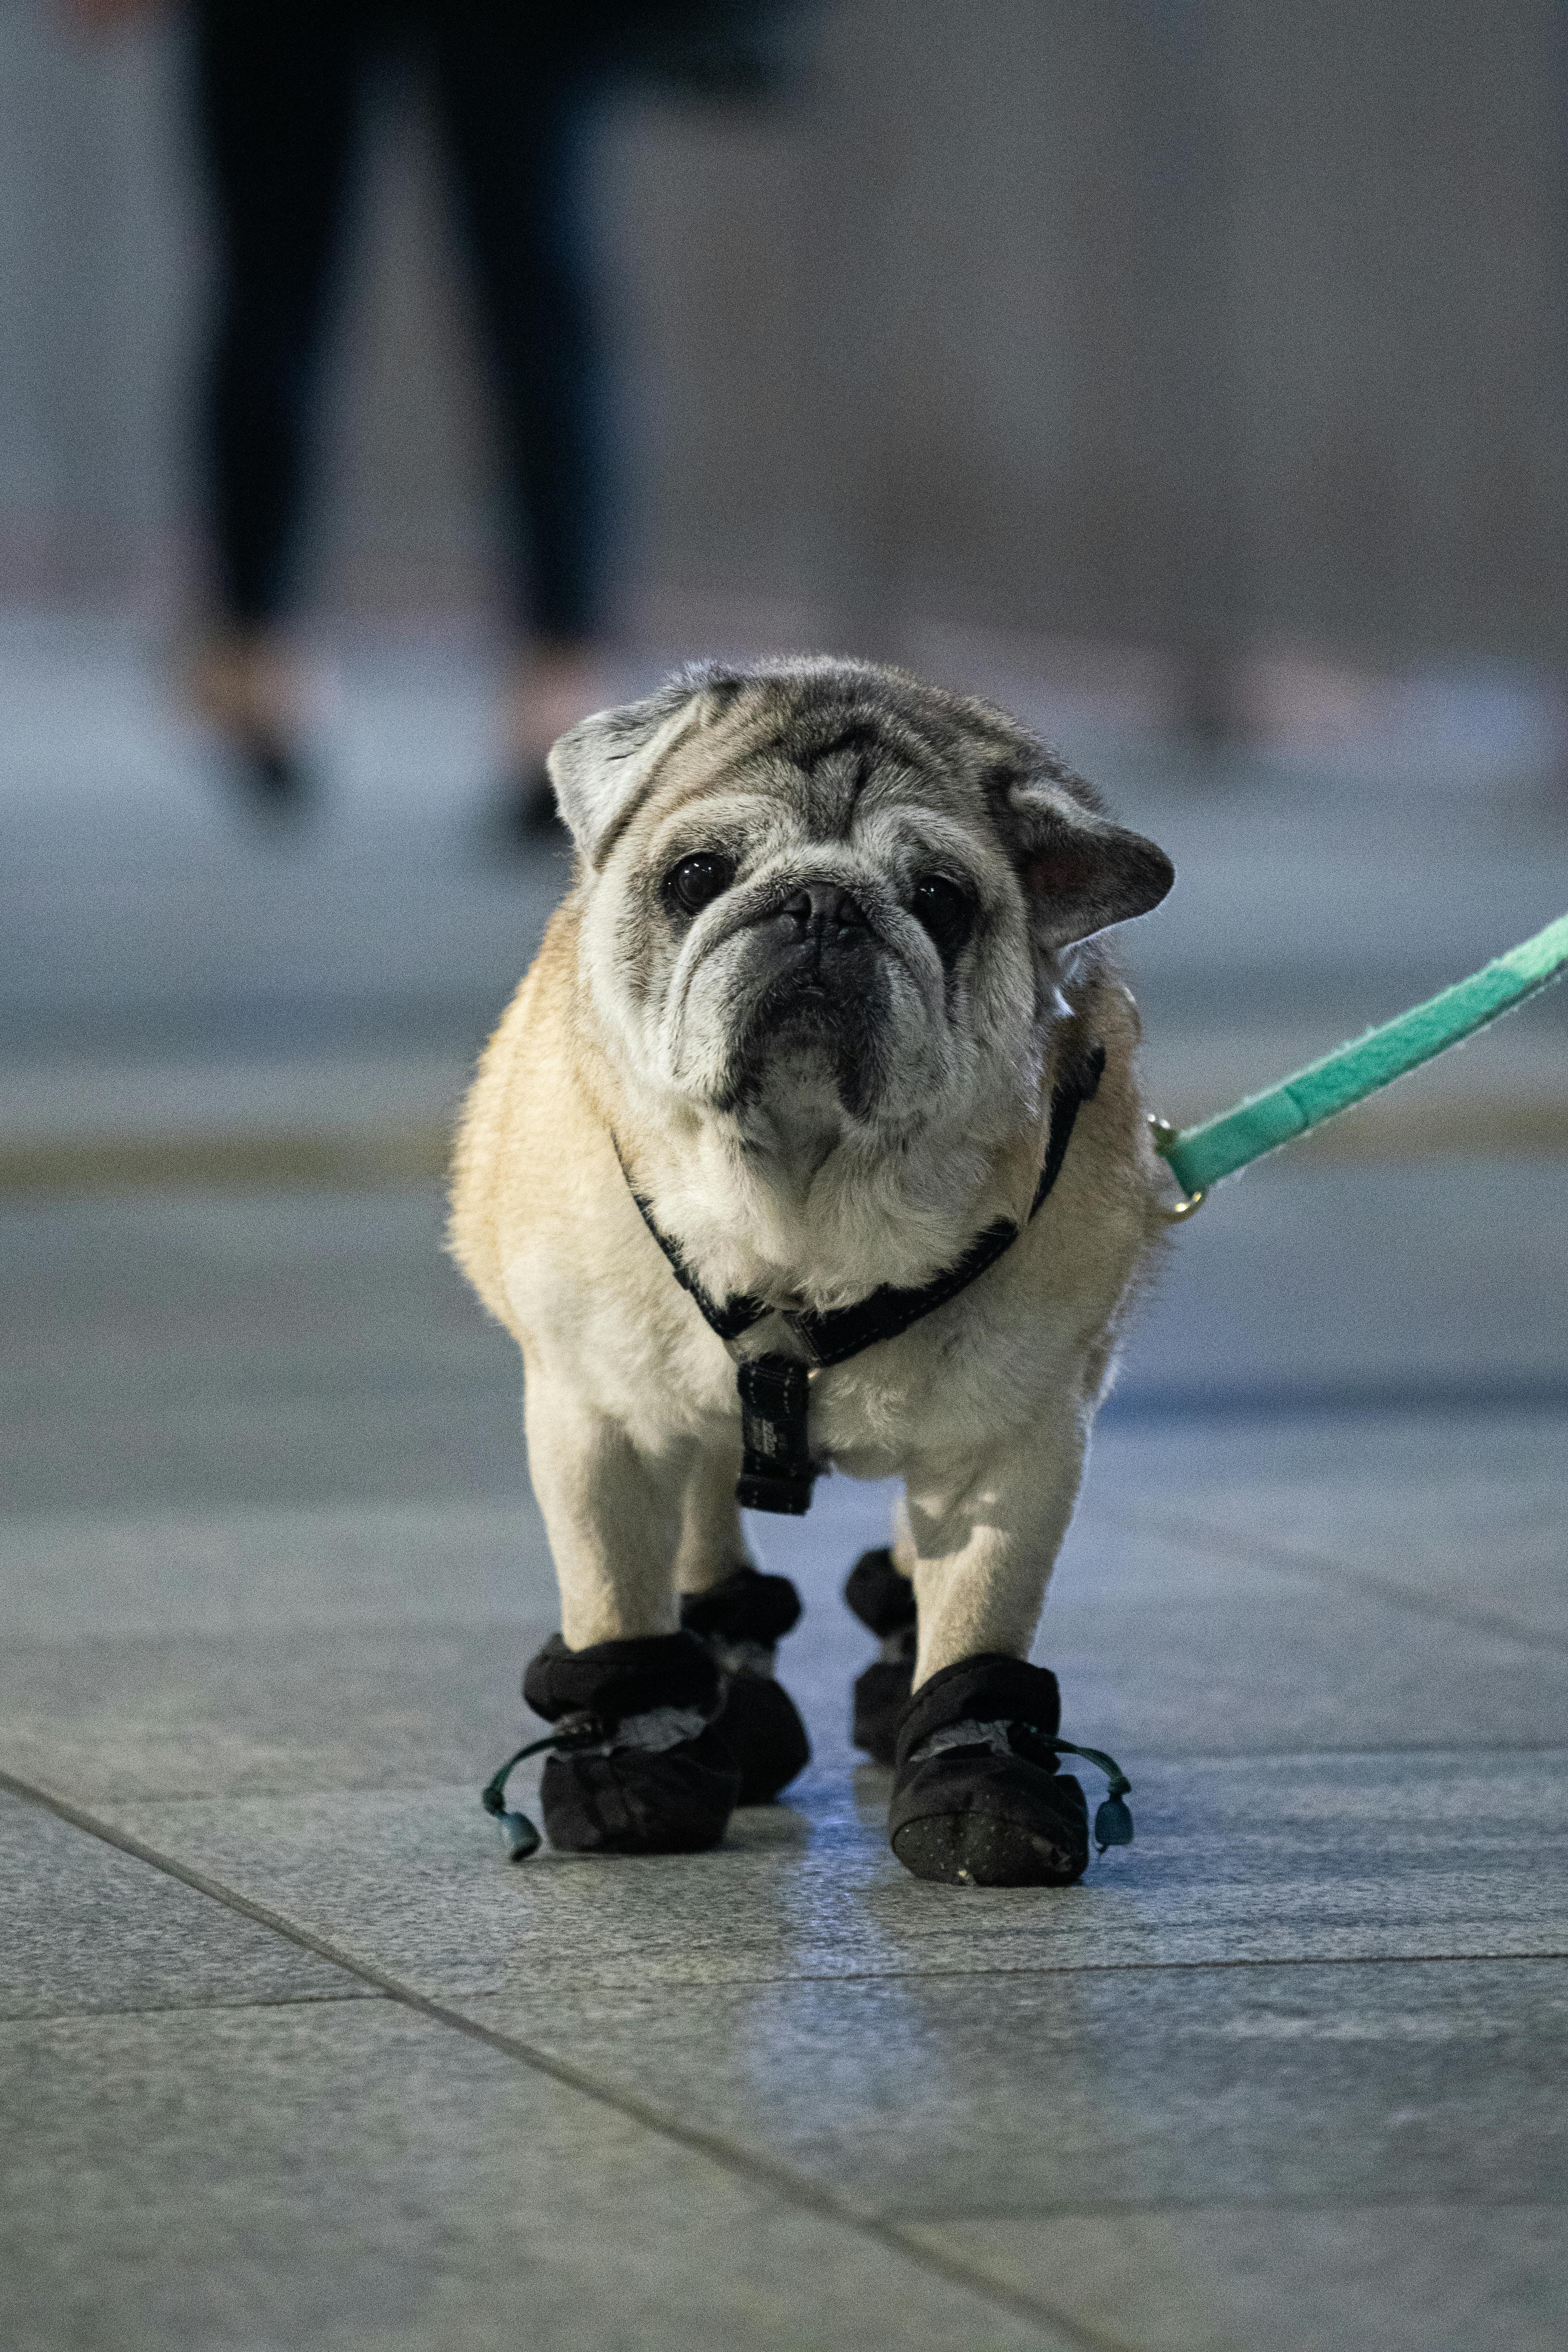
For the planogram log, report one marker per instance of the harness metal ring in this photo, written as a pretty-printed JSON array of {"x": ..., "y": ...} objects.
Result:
[{"x": 1175, "y": 1212}]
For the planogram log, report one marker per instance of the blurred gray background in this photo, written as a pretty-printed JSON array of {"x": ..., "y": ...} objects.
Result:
[
  {"x": 1159, "y": 323},
  {"x": 1192, "y": 377}
]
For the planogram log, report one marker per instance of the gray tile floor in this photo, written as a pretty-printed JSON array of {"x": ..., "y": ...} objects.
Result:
[{"x": 289, "y": 2057}]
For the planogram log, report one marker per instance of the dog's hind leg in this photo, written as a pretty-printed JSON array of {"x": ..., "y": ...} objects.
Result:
[
  {"x": 881, "y": 1591},
  {"x": 740, "y": 1616},
  {"x": 711, "y": 1545}
]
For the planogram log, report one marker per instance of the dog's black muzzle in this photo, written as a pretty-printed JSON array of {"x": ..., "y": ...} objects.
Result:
[
  {"x": 821, "y": 920},
  {"x": 821, "y": 981}
]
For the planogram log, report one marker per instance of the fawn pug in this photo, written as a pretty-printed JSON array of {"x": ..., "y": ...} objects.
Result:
[{"x": 811, "y": 1141}]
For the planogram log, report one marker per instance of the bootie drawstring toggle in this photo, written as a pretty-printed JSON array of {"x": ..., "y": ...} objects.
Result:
[
  {"x": 1112, "y": 1820},
  {"x": 522, "y": 1837}
]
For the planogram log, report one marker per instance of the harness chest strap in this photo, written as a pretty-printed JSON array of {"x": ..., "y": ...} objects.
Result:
[{"x": 776, "y": 1471}]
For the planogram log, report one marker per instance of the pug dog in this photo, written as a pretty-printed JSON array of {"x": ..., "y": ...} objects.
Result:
[{"x": 811, "y": 1141}]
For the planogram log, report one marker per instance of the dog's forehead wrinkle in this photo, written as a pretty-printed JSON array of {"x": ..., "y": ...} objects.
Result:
[
  {"x": 856, "y": 736},
  {"x": 682, "y": 793},
  {"x": 724, "y": 813},
  {"x": 852, "y": 705},
  {"x": 833, "y": 755}
]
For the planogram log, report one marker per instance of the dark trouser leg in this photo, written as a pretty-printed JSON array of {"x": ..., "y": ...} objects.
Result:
[
  {"x": 277, "y": 91},
  {"x": 516, "y": 122}
]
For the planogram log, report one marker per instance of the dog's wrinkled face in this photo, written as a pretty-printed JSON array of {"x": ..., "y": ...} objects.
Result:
[{"x": 821, "y": 896}]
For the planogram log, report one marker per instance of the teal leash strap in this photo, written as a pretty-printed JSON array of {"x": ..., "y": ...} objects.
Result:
[{"x": 1200, "y": 1156}]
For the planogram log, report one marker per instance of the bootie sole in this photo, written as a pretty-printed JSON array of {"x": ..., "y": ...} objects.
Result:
[{"x": 996, "y": 1821}]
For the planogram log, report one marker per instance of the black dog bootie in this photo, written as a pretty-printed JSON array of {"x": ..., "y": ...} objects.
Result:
[
  {"x": 640, "y": 1765},
  {"x": 740, "y": 1623},
  {"x": 884, "y": 1601},
  {"x": 978, "y": 1800}
]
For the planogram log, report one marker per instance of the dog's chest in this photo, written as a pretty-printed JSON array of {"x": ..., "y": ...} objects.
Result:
[
  {"x": 957, "y": 1382},
  {"x": 968, "y": 1374}
]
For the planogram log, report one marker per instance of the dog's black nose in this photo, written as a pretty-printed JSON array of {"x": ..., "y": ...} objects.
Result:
[{"x": 834, "y": 914}]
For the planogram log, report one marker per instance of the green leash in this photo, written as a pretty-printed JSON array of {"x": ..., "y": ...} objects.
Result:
[{"x": 1200, "y": 1156}]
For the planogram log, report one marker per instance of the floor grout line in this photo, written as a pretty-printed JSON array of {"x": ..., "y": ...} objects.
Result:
[
  {"x": 1354, "y": 2201},
  {"x": 797, "y": 2188},
  {"x": 181, "y": 2007},
  {"x": 1073, "y": 1968}
]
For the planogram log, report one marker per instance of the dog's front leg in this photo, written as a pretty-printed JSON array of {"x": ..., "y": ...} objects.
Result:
[
  {"x": 977, "y": 1797},
  {"x": 682, "y": 1692},
  {"x": 980, "y": 1539},
  {"x": 613, "y": 1512},
  {"x": 642, "y": 1769}
]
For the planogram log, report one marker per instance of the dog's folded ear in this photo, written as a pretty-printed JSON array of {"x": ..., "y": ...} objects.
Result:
[
  {"x": 1081, "y": 872},
  {"x": 603, "y": 767}
]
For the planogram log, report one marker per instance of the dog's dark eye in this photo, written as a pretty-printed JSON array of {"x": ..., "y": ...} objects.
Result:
[
  {"x": 945, "y": 910},
  {"x": 697, "y": 881}
]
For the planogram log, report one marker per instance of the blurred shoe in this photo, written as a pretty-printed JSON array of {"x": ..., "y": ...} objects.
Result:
[
  {"x": 270, "y": 776},
  {"x": 550, "y": 688},
  {"x": 247, "y": 689},
  {"x": 527, "y": 816}
]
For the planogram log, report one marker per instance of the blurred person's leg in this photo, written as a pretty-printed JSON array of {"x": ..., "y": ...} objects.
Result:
[
  {"x": 276, "y": 92},
  {"x": 515, "y": 111}
]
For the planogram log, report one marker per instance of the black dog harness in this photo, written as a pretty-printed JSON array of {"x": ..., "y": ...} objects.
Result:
[{"x": 777, "y": 1473}]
